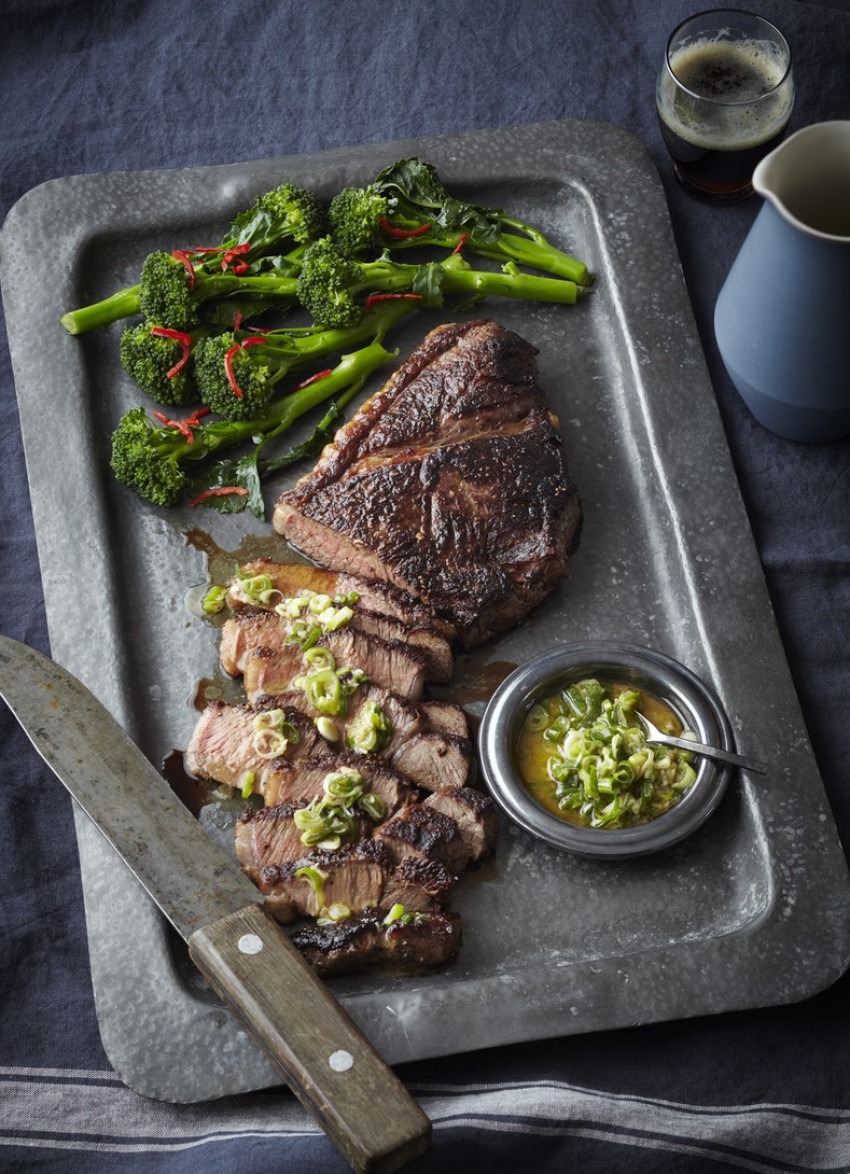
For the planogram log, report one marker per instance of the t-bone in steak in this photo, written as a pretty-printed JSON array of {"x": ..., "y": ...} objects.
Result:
[{"x": 449, "y": 483}]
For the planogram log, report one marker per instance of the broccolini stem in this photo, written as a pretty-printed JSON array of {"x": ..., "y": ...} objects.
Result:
[
  {"x": 284, "y": 411},
  {"x": 122, "y": 304},
  {"x": 534, "y": 253}
]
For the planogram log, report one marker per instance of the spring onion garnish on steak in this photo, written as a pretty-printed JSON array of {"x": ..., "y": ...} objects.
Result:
[
  {"x": 315, "y": 878},
  {"x": 272, "y": 733},
  {"x": 326, "y": 822},
  {"x": 326, "y": 687},
  {"x": 254, "y": 589},
  {"x": 604, "y": 772},
  {"x": 311, "y": 614},
  {"x": 398, "y": 914},
  {"x": 370, "y": 731},
  {"x": 332, "y": 914}
]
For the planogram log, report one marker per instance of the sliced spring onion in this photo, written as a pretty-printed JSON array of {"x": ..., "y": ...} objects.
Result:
[
  {"x": 371, "y": 730},
  {"x": 595, "y": 754},
  {"x": 314, "y": 877},
  {"x": 332, "y": 914},
  {"x": 214, "y": 600},
  {"x": 256, "y": 588}
]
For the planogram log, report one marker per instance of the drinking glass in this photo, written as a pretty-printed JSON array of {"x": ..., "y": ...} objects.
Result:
[{"x": 724, "y": 97}]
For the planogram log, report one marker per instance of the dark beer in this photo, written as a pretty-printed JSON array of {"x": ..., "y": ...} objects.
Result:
[{"x": 722, "y": 106}]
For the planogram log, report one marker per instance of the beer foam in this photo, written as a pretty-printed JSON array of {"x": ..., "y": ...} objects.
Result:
[{"x": 708, "y": 114}]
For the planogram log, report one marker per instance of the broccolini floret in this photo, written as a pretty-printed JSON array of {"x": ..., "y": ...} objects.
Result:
[
  {"x": 159, "y": 362},
  {"x": 236, "y": 372},
  {"x": 278, "y": 220},
  {"x": 407, "y": 205},
  {"x": 337, "y": 290},
  {"x": 155, "y": 462}
]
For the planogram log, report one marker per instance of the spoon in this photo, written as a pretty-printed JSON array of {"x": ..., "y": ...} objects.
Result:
[{"x": 653, "y": 734}]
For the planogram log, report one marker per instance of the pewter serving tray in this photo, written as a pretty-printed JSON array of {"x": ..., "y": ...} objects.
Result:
[{"x": 753, "y": 910}]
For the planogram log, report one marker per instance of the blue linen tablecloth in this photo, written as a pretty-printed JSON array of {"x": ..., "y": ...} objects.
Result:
[{"x": 96, "y": 86}]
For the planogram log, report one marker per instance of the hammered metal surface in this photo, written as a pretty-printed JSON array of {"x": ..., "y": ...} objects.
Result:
[{"x": 553, "y": 944}]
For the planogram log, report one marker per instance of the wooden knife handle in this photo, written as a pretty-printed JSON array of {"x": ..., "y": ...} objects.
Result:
[{"x": 324, "y": 1058}]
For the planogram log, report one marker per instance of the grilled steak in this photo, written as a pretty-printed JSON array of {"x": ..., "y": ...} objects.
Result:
[
  {"x": 450, "y": 484},
  {"x": 422, "y": 831},
  {"x": 474, "y": 815},
  {"x": 379, "y": 611},
  {"x": 223, "y": 746},
  {"x": 362, "y": 941},
  {"x": 290, "y": 579},
  {"x": 301, "y": 779},
  {"x": 360, "y": 877},
  {"x": 417, "y": 749},
  {"x": 270, "y": 669}
]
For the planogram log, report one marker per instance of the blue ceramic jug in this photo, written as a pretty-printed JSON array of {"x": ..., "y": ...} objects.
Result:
[{"x": 782, "y": 320}]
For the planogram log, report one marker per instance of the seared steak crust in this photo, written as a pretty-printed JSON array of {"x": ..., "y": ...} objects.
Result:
[
  {"x": 362, "y": 941},
  {"x": 450, "y": 483}
]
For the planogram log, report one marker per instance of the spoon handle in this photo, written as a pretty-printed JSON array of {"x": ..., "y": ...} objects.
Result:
[{"x": 711, "y": 752}]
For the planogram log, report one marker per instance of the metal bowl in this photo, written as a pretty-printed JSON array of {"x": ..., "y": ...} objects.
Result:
[{"x": 691, "y": 700}]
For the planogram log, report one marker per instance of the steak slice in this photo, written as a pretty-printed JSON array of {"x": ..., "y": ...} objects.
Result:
[
  {"x": 223, "y": 745},
  {"x": 423, "y": 831},
  {"x": 474, "y": 814},
  {"x": 290, "y": 579},
  {"x": 363, "y": 941},
  {"x": 450, "y": 483},
  {"x": 418, "y": 750},
  {"x": 302, "y": 779},
  {"x": 360, "y": 877},
  {"x": 269, "y": 836},
  {"x": 379, "y": 611},
  {"x": 270, "y": 669}
]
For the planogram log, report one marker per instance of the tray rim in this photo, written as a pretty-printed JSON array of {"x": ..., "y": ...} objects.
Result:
[{"x": 554, "y": 138}]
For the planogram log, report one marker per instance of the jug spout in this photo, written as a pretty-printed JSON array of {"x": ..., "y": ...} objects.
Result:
[{"x": 807, "y": 179}]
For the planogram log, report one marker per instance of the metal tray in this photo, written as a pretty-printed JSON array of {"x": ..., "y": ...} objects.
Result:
[{"x": 735, "y": 917}]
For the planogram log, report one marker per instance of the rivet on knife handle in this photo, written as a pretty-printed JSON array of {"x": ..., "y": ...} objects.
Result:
[{"x": 330, "y": 1066}]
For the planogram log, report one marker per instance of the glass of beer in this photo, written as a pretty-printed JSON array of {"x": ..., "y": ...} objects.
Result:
[{"x": 724, "y": 97}]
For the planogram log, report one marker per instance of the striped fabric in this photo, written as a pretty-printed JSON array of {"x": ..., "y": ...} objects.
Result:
[{"x": 53, "y": 1119}]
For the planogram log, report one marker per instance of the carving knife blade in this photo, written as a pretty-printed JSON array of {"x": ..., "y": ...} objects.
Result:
[{"x": 238, "y": 947}]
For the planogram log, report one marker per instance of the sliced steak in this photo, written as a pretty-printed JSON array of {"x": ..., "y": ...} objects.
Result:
[
  {"x": 270, "y": 669},
  {"x": 434, "y": 760},
  {"x": 474, "y": 814},
  {"x": 439, "y": 659},
  {"x": 223, "y": 746},
  {"x": 418, "y": 884},
  {"x": 302, "y": 779},
  {"x": 450, "y": 484},
  {"x": 360, "y": 877},
  {"x": 417, "y": 750},
  {"x": 290, "y": 579},
  {"x": 423, "y": 831},
  {"x": 362, "y": 941}
]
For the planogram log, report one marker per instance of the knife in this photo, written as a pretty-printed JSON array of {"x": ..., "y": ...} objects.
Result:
[{"x": 238, "y": 947}]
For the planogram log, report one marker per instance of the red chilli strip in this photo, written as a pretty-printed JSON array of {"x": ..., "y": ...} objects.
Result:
[
  {"x": 219, "y": 491},
  {"x": 459, "y": 246},
  {"x": 228, "y": 362},
  {"x": 184, "y": 427},
  {"x": 230, "y": 256},
  {"x": 313, "y": 379},
  {"x": 185, "y": 343},
  {"x": 402, "y": 234},
  {"x": 185, "y": 258},
  {"x": 386, "y": 297}
]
